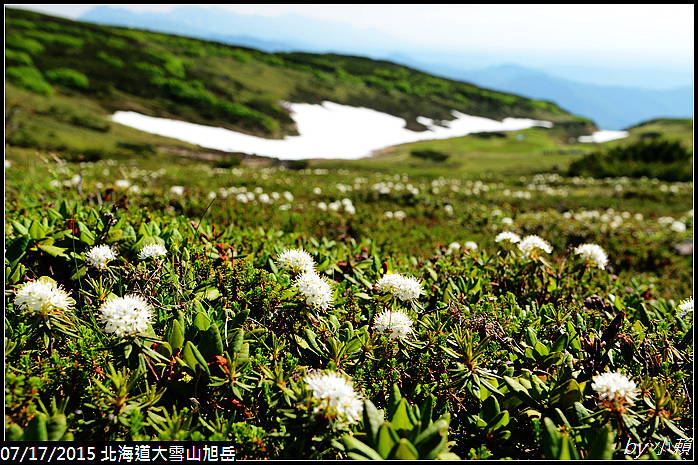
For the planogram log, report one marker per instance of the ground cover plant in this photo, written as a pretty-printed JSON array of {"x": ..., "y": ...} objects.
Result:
[
  {"x": 461, "y": 298},
  {"x": 347, "y": 313}
]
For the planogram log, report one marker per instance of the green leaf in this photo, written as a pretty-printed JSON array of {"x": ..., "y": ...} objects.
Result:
[
  {"x": 433, "y": 440},
  {"x": 56, "y": 427},
  {"x": 201, "y": 321},
  {"x": 565, "y": 395},
  {"x": 394, "y": 400},
  {"x": 193, "y": 358},
  {"x": 404, "y": 450},
  {"x": 54, "y": 215},
  {"x": 16, "y": 248},
  {"x": 490, "y": 408},
  {"x": 211, "y": 343},
  {"x": 311, "y": 337},
  {"x": 386, "y": 440},
  {"x": 36, "y": 231},
  {"x": 54, "y": 251},
  {"x": 175, "y": 337},
  {"x": 500, "y": 420},
  {"x": 602, "y": 446},
  {"x": 425, "y": 413},
  {"x": 165, "y": 349},
  {"x": 236, "y": 344},
  {"x": 14, "y": 433},
  {"x": 520, "y": 392},
  {"x": 373, "y": 419},
  {"x": 244, "y": 355},
  {"x": 239, "y": 319},
  {"x": 400, "y": 419},
  {"x": 550, "y": 440},
  {"x": 36, "y": 429},
  {"x": 530, "y": 336},
  {"x": 358, "y": 450},
  {"x": 20, "y": 228},
  {"x": 561, "y": 343},
  {"x": 541, "y": 349}
]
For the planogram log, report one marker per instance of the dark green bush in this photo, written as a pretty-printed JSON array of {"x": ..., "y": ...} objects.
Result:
[
  {"x": 25, "y": 44},
  {"x": 655, "y": 158},
  {"x": 68, "y": 77},
  {"x": 30, "y": 78},
  {"x": 433, "y": 155},
  {"x": 228, "y": 162},
  {"x": 17, "y": 57},
  {"x": 114, "y": 62}
]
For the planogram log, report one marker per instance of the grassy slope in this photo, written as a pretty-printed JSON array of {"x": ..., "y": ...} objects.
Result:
[
  {"x": 539, "y": 151},
  {"x": 209, "y": 83}
]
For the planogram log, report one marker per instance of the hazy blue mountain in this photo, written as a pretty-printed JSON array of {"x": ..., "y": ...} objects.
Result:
[{"x": 611, "y": 107}]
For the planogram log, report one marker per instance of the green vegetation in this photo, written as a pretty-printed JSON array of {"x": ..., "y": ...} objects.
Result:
[
  {"x": 652, "y": 157},
  {"x": 499, "y": 351},
  {"x": 430, "y": 155},
  {"x": 503, "y": 351},
  {"x": 233, "y": 87}
]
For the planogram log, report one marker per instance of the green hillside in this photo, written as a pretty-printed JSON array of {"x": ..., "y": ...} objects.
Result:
[{"x": 76, "y": 74}]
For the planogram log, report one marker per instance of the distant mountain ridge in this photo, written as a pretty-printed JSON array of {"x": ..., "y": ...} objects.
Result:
[{"x": 611, "y": 107}]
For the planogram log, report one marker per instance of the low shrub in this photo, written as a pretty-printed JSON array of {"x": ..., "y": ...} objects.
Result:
[
  {"x": 68, "y": 78},
  {"x": 432, "y": 155}
]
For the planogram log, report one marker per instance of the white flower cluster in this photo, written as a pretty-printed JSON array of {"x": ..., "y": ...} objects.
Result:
[
  {"x": 685, "y": 306},
  {"x": 296, "y": 261},
  {"x": 402, "y": 287},
  {"x": 125, "y": 316},
  {"x": 152, "y": 251},
  {"x": 337, "y": 392},
  {"x": 99, "y": 256},
  {"x": 530, "y": 247},
  {"x": 397, "y": 324},
  {"x": 315, "y": 289},
  {"x": 592, "y": 253},
  {"x": 612, "y": 386},
  {"x": 42, "y": 296},
  {"x": 452, "y": 248},
  {"x": 346, "y": 204},
  {"x": 508, "y": 236}
]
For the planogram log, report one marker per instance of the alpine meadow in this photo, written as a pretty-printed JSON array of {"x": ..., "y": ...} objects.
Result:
[{"x": 499, "y": 295}]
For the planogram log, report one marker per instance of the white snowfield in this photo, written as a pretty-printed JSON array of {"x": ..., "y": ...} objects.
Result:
[{"x": 329, "y": 131}]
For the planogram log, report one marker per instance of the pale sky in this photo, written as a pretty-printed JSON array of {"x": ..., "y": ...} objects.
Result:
[
  {"x": 639, "y": 34},
  {"x": 649, "y": 29}
]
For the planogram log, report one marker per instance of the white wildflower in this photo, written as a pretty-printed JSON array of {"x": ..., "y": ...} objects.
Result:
[
  {"x": 402, "y": 287},
  {"x": 592, "y": 253},
  {"x": 614, "y": 386},
  {"x": 99, "y": 256},
  {"x": 296, "y": 261},
  {"x": 470, "y": 245},
  {"x": 152, "y": 251},
  {"x": 686, "y": 306},
  {"x": 125, "y": 316},
  {"x": 397, "y": 324},
  {"x": 177, "y": 190},
  {"x": 315, "y": 290},
  {"x": 42, "y": 297},
  {"x": 336, "y": 391},
  {"x": 530, "y": 247},
  {"x": 507, "y": 236},
  {"x": 453, "y": 247}
]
